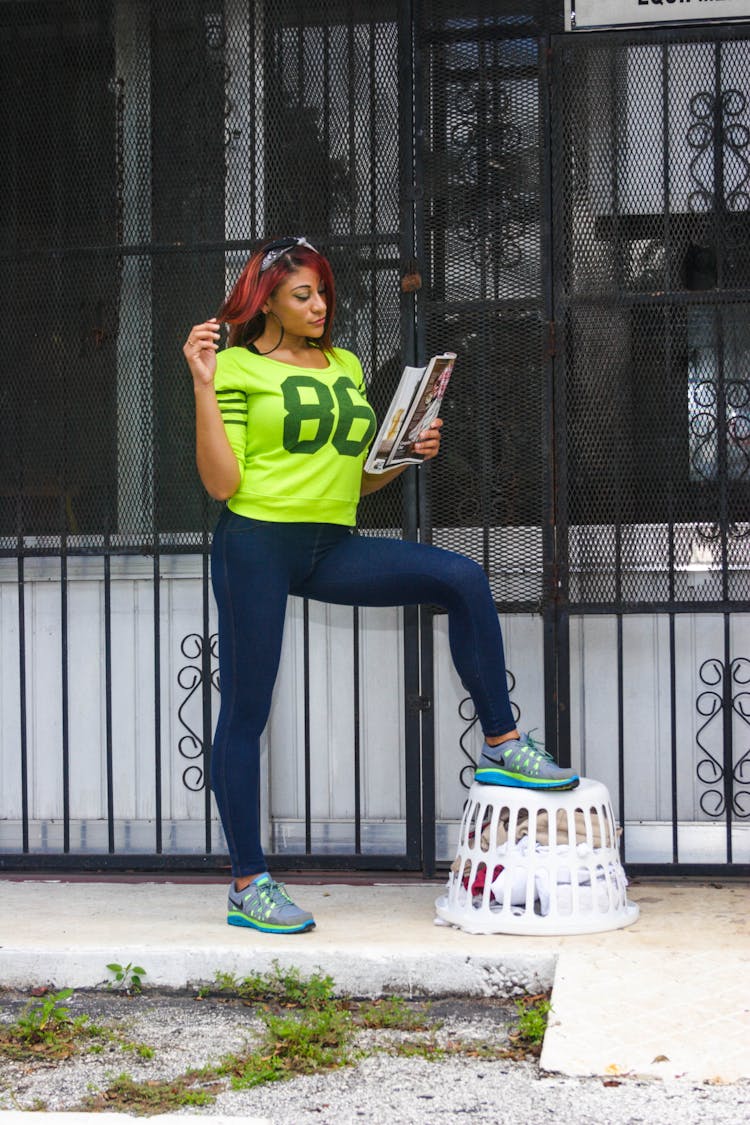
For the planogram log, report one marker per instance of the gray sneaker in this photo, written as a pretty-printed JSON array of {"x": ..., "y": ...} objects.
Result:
[
  {"x": 521, "y": 762},
  {"x": 264, "y": 905}
]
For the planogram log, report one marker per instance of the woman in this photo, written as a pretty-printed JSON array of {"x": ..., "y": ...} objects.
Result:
[{"x": 282, "y": 431}]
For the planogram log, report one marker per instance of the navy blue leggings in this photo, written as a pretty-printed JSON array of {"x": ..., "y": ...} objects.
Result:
[{"x": 256, "y": 565}]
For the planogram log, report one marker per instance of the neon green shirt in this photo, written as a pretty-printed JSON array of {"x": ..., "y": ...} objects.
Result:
[{"x": 300, "y": 435}]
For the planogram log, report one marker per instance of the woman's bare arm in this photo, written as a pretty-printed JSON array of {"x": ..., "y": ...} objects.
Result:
[{"x": 217, "y": 464}]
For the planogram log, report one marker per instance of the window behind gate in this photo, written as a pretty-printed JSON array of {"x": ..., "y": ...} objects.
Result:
[{"x": 653, "y": 288}]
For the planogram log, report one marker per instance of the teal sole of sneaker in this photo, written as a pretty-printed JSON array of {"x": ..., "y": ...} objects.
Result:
[
  {"x": 488, "y": 776},
  {"x": 242, "y": 920}
]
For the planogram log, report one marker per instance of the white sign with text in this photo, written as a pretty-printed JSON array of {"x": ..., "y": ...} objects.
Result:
[{"x": 588, "y": 15}]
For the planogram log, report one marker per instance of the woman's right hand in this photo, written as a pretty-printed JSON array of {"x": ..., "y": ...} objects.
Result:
[{"x": 200, "y": 351}]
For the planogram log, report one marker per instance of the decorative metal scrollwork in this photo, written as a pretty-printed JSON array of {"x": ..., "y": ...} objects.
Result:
[
  {"x": 719, "y": 119},
  {"x": 485, "y": 146},
  {"x": 712, "y": 532},
  {"x": 190, "y": 678},
  {"x": 711, "y": 770},
  {"x": 704, "y": 431},
  {"x": 467, "y": 712}
]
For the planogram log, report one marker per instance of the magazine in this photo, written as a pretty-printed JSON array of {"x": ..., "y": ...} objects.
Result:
[{"x": 414, "y": 407}]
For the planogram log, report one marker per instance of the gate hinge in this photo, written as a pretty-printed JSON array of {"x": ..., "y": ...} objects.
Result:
[
  {"x": 418, "y": 702},
  {"x": 551, "y": 338}
]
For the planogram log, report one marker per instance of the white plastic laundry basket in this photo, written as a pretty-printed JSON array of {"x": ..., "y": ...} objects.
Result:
[{"x": 532, "y": 862}]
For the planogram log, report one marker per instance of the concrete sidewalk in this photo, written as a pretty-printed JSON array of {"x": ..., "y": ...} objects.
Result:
[{"x": 667, "y": 996}]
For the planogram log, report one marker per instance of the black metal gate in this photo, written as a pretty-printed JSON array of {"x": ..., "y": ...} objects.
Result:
[
  {"x": 477, "y": 179},
  {"x": 585, "y": 229},
  {"x": 651, "y": 201}
]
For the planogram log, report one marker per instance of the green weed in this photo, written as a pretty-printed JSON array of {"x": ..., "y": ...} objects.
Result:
[
  {"x": 532, "y": 1021},
  {"x": 318, "y": 1036},
  {"x": 46, "y": 1029},
  {"x": 304, "y": 1043},
  {"x": 127, "y": 977},
  {"x": 41, "y": 1018},
  {"x": 287, "y": 988}
]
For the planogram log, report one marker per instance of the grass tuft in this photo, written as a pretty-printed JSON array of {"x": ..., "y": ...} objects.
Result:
[
  {"x": 286, "y": 988},
  {"x": 533, "y": 1013},
  {"x": 153, "y": 1096},
  {"x": 46, "y": 1030}
]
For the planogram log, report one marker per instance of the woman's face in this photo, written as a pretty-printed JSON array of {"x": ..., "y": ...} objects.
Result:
[{"x": 299, "y": 302}]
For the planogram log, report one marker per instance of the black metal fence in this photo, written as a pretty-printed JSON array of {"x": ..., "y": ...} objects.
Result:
[{"x": 569, "y": 211}]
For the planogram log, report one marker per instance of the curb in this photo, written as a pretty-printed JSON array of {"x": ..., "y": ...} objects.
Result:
[{"x": 365, "y": 973}]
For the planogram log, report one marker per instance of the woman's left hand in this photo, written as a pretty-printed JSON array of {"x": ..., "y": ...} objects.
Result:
[{"x": 428, "y": 444}]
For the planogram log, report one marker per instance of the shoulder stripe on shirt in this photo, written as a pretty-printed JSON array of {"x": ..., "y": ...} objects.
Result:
[{"x": 233, "y": 406}]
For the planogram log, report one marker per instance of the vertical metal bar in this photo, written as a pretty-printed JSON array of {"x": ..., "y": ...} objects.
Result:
[
  {"x": 426, "y": 636},
  {"x": 555, "y": 605},
  {"x": 722, "y": 462},
  {"x": 726, "y": 715},
  {"x": 22, "y": 698},
  {"x": 615, "y": 103},
  {"x": 621, "y": 733},
  {"x": 560, "y": 236},
  {"x": 357, "y": 733},
  {"x": 673, "y": 735},
  {"x": 412, "y": 733},
  {"x": 485, "y": 237},
  {"x": 722, "y": 468},
  {"x": 671, "y": 559},
  {"x": 61, "y": 228},
  {"x": 407, "y": 147},
  {"x": 206, "y": 687},
  {"x": 65, "y": 697},
  {"x": 411, "y": 625},
  {"x": 306, "y": 672},
  {"x": 157, "y": 695},
  {"x": 156, "y": 523},
  {"x": 719, "y": 207},
  {"x": 668, "y": 329},
  {"x": 666, "y": 166},
  {"x": 108, "y": 702},
  {"x": 427, "y": 716}
]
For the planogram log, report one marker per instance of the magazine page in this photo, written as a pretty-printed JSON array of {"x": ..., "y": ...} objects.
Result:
[
  {"x": 414, "y": 407},
  {"x": 391, "y": 427},
  {"x": 424, "y": 410}
]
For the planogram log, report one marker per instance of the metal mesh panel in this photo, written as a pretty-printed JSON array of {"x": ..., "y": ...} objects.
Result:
[
  {"x": 58, "y": 114},
  {"x": 653, "y": 289},
  {"x": 486, "y": 295},
  {"x": 150, "y": 145}
]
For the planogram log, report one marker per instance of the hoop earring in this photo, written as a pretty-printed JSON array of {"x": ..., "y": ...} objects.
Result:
[{"x": 281, "y": 337}]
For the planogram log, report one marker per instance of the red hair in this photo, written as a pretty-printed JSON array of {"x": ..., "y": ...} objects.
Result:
[{"x": 243, "y": 308}]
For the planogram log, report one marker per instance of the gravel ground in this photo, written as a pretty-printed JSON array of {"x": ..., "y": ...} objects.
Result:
[{"x": 381, "y": 1089}]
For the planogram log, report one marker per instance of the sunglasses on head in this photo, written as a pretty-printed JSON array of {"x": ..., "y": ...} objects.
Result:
[{"x": 276, "y": 249}]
